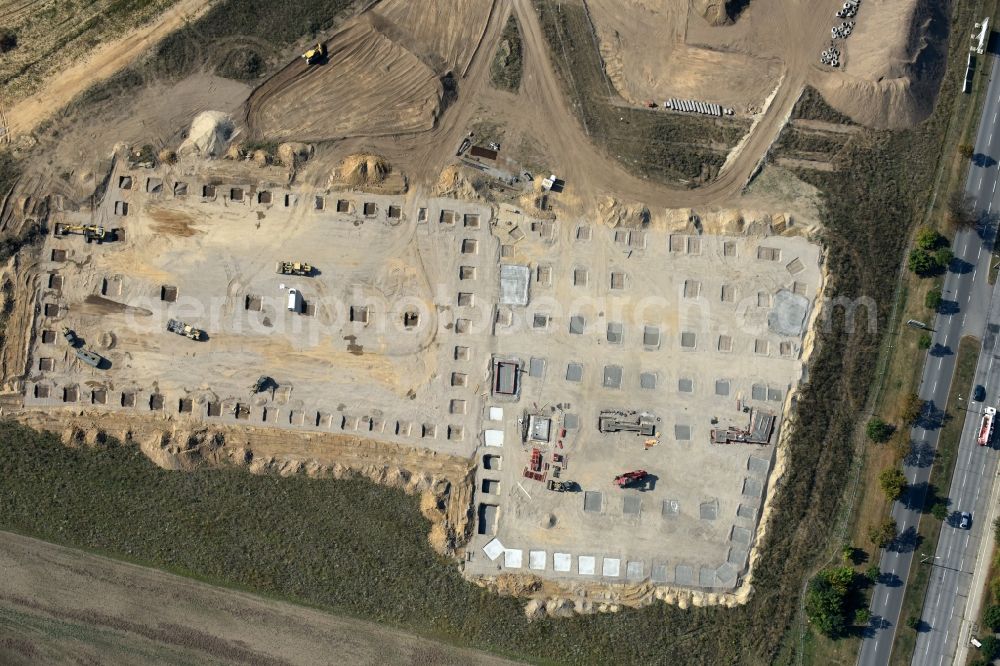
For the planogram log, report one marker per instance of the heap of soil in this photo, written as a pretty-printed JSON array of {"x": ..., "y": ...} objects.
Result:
[
  {"x": 291, "y": 154},
  {"x": 210, "y": 134},
  {"x": 363, "y": 170},
  {"x": 892, "y": 76},
  {"x": 616, "y": 214},
  {"x": 714, "y": 12}
]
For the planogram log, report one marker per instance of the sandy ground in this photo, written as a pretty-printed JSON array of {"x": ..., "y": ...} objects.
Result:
[
  {"x": 371, "y": 86},
  {"x": 59, "y": 605},
  {"x": 104, "y": 62}
]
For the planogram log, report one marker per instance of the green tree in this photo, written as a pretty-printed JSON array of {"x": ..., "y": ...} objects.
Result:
[
  {"x": 872, "y": 573},
  {"x": 990, "y": 648},
  {"x": 882, "y": 535},
  {"x": 921, "y": 263},
  {"x": 992, "y": 617},
  {"x": 933, "y": 299},
  {"x": 862, "y": 617},
  {"x": 939, "y": 510},
  {"x": 826, "y": 600},
  {"x": 913, "y": 622},
  {"x": 960, "y": 213},
  {"x": 893, "y": 483},
  {"x": 878, "y": 430},
  {"x": 929, "y": 239},
  {"x": 847, "y": 552},
  {"x": 924, "y": 341},
  {"x": 966, "y": 150},
  {"x": 943, "y": 257}
]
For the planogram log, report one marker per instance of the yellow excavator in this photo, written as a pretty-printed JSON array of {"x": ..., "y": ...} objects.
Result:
[
  {"x": 90, "y": 232},
  {"x": 315, "y": 55}
]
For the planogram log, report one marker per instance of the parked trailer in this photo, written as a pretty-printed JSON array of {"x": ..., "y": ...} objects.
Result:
[{"x": 986, "y": 426}]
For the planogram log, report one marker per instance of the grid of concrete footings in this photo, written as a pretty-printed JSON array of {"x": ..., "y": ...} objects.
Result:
[{"x": 621, "y": 390}]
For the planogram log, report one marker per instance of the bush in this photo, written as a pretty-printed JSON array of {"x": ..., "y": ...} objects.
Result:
[
  {"x": 506, "y": 69},
  {"x": 960, "y": 212},
  {"x": 912, "y": 408},
  {"x": 8, "y": 40},
  {"x": 939, "y": 510},
  {"x": 882, "y": 535},
  {"x": 878, "y": 430},
  {"x": 862, "y": 617},
  {"x": 913, "y": 622},
  {"x": 991, "y": 618},
  {"x": 990, "y": 648},
  {"x": 966, "y": 150},
  {"x": 933, "y": 299},
  {"x": 872, "y": 573},
  {"x": 924, "y": 342},
  {"x": 893, "y": 483}
]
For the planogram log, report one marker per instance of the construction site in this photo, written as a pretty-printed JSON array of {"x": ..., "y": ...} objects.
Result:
[{"x": 590, "y": 373}]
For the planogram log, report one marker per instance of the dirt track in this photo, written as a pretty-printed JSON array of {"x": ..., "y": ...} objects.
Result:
[
  {"x": 59, "y": 605},
  {"x": 103, "y": 63}
]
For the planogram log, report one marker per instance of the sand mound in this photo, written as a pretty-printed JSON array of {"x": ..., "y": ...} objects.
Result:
[
  {"x": 211, "y": 132},
  {"x": 291, "y": 154},
  {"x": 713, "y": 11},
  {"x": 891, "y": 76},
  {"x": 454, "y": 183},
  {"x": 616, "y": 214},
  {"x": 363, "y": 170}
]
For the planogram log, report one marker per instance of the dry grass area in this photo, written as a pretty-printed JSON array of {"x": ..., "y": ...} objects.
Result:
[{"x": 60, "y": 605}]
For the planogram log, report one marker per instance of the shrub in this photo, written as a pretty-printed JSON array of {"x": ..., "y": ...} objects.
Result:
[
  {"x": 8, "y": 40},
  {"x": 872, "y": 573},
  {"x": 913, "y": 407},
  {"x": 878, "y": 430},
  {"x": 991, "y": 618},
  {"x": 933, "y": 299},
  {"x": 913, "y": 622},
  {"x": 939, "y": 510},
  {"x": 893, "y": 483},
  {"x": 966, "y": 150},
  {"x": 924, "y": 342},
  {"x": 990, "y": 647},
  {"x": 862, "y": 617}
]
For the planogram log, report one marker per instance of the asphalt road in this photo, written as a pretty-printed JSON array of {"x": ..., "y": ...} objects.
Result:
[{"x": 966, "y": 310}]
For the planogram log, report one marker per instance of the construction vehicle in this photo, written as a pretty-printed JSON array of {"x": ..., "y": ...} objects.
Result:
[
  {"x": 262, "y": 383},
  {"x": 631, "y": 478},
  {"x": 561, "y": 486},
  {"x": 293, "y": 268},
  {"x": 70, "y": 336},
  {"x": 188, "y": 331},
  {"x": 315, "y": 55},
  {"x": 90, "y": 232},
  {"x": 89, "y": 357}
]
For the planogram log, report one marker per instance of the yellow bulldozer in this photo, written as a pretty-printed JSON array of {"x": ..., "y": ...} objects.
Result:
[
  {"x": 293, "y": 268},
  {"x": 316, "y": 55},
  {"x": 90, "y": 232}
]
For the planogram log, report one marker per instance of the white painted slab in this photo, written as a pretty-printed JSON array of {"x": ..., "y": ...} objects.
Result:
[
  {"x": 493, "y": 437},
  {"x": 611, "y": 567},
  {"x": 537, "y": 559},
  {"x": 496, "y": 413},
  {"x": 512, "y": 558},
  {"x": 586, "y": 565},
  {"x": 493, "y": 549},
  {"x": 562, "y": 561}
]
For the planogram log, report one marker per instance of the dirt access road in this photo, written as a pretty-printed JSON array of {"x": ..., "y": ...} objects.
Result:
[
  {"x": 102, "y": 63},
  {"x": 794, "y": 38},
  {"x": 59, "y": 605}
]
